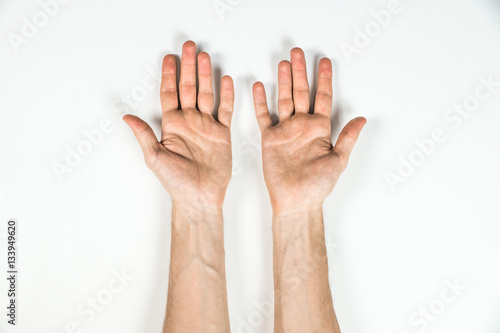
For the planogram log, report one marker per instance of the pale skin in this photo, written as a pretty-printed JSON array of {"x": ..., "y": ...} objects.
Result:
[
  {"x": 301, "y": 168},
  {"x": 193, "y": 162}
]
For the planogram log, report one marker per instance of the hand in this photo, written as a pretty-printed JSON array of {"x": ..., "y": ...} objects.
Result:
[
  {"x": 301, "y": 166},
  {"x": 193, "y": 158}
]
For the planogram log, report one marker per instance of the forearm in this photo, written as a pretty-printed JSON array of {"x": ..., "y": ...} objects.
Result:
[
  {"x": 303, "y": 301},
  {"x": 197, "y": 297}
]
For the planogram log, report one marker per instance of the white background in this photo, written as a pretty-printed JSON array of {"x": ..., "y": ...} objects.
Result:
[{"x": 391, "y": 251}]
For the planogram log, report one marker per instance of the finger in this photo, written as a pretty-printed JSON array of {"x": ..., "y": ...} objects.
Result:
[
  {"x": 226, "y": 106},
  {"x": 145, "y": 135},
  {"x": 348, "y": 137},
  {"x": 187, "y": 84},
  {"x": 285, "y": 100},
  {"x": 168, "y": 88},
  {"x": 205, "y": 89},
  {"x": 260, "y": 104},
  {"x": 324, "y": 95},
  {"x": 300, "y": 85}
]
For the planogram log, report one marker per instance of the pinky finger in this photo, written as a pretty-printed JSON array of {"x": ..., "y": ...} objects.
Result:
[{"x": 226, "y": 101}]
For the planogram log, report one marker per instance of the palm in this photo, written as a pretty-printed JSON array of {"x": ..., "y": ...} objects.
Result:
[
  {"x": 298, "y": 158},
  {"x": 193, "y": 158},
  {"x": 301, "y": 166}
]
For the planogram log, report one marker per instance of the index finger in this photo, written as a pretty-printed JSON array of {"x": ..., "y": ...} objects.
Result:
[{"x": 324, "y": 95}]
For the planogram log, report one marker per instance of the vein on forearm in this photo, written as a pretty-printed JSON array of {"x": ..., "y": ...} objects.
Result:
[
  {"x": 302, "y": 291},
  {"x": 197, "y": 299}
]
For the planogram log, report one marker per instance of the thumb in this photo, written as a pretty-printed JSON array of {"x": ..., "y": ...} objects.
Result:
[
  {"x": 348, "y": 137},
  {"x": 145, "y": 135}
]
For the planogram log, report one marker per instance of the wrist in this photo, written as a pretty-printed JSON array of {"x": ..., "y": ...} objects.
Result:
[
  {"x": 291, "y": 223},
  {"x": 203, "y": 224},
  {"x": 301, "y": 230},
  {"x": 195, "y": 208},
  {"x": 296, "y": 210},
  {"x": 197, "y": 215},
  {"x": 293, "y": 202}
]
